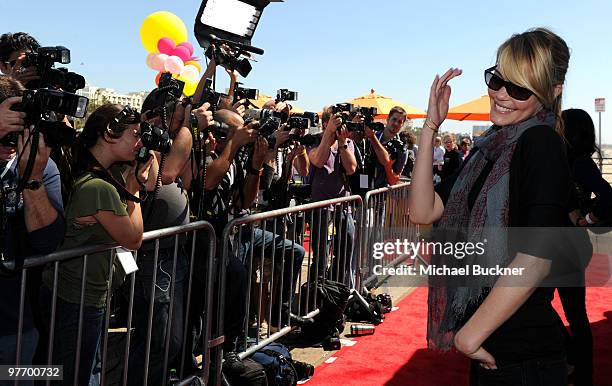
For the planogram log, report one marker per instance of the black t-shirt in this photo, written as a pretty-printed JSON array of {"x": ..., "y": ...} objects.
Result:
[
  {"x": 539, "y": 192},
  {"x": 588, "y": 180},
  {"x": 452, "y": 163}
]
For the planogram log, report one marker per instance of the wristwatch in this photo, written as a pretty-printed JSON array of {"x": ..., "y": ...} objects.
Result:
[
  {"x": 33, "y": 184},
  {"x": 253, "y": 171}
]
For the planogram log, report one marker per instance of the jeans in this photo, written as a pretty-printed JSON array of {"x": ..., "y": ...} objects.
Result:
[
  {"x": 65, "y": 336},
  {"x": 290, "y": 253},
  {"x": 538, "y": 372},
  {"x": 344, "y": 265},
  {"x": 161, "y": 323},
  {"x": 8, "y": 351}
]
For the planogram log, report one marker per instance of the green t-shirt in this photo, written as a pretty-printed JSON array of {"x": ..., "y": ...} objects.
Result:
[{"x": 90, "y": 194}]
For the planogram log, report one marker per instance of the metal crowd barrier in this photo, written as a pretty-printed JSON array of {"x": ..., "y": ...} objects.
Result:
[
  {"x": 196, "y": 242},
  {"x": 265, "y": 248},
  {"x": 386, "y": 219}
]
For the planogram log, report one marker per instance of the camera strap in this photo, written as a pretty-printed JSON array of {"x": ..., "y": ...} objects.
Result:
[{"x": 104, "y": 174}]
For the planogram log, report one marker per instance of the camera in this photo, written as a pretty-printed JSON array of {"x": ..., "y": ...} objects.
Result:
[
  {"x": 299, "y": 123},
  {"x": 40, "y": 107},
  {"x": 172, "y": 86},
  {"x": 241, "y": 93},
  {"x": 230, "y": 61},
  {"x": 394, "y": 147},
  {"x": 283, "y": 95},
  {"x": 153, "y": 138},
  {"x": 313, "y": 118},
  {"x": 263, "y": 114},
  {"x": 44, "y": 59},
  {"x": 307, "y": 140}
]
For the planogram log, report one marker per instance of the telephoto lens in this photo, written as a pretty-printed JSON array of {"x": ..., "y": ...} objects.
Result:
[{"x": 361, "y": 329}]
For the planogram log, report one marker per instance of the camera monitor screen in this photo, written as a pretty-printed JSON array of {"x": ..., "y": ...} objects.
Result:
[{"x": 233, "y": 20}]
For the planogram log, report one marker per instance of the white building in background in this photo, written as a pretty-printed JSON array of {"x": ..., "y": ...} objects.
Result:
[{"x": 99, "y": 95}]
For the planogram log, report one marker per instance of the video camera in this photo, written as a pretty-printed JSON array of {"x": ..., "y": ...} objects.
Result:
[
  {"x": 284, "y": 95},
  {"x": 44, "y": 59},
  {"x": 229, "y": 59},
  {"x": 39, "y": 106},
  {"x": 242, "y": 93}
]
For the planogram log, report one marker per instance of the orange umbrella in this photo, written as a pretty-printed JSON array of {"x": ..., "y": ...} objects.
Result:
[
  {"x": 384, "y": 105},
  {"x": 475, "y": 110}
]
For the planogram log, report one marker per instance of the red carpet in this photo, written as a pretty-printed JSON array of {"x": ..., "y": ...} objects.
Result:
[{"x": 397, "y": 355}]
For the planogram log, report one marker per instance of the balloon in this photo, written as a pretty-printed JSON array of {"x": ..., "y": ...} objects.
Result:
[
  {"x": 157, "y": 61},
  {"x": 166, "y": 46},
  {"x": 188, "y": 46},
  {"x": 159, "y": 25},
  {"x": 157, "y": 78},
  {"x": 190, "y": 88},
  {"x": 195, "y": 64},
  {"x": 150, "y": 61},
  {"x": 190, "y": 74},
  {"x": 174, "y": 64},
  {"x": 182, "y": 52}
]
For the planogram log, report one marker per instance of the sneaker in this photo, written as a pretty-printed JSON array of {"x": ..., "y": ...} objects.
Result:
[{"x": 232, "y": 364}]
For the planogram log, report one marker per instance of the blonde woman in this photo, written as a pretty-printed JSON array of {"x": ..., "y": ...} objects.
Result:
[
  {"x": 452, "y": 156},
  {"x": 510, "y": 332}
]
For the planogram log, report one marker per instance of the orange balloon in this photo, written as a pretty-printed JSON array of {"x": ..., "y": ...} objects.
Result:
[{"x": 157, "y": 78}]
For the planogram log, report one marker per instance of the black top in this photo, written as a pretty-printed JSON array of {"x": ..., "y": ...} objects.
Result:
[
  {"x": 588, "y": 179},
  {"x": 539, "y": 192},
  {"x": 452, "y": 163}
]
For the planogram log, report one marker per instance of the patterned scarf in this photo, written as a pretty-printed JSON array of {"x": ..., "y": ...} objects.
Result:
[{"x": 450, "y": 306}]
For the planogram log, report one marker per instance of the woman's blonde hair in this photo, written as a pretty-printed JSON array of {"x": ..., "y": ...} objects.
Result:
[{"x": 536, "y": 59}]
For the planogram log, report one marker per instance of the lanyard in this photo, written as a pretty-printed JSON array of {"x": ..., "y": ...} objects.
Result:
[{"x": 7, "y": 168}]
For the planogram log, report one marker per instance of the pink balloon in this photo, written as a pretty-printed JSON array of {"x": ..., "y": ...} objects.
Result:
[
  {"x": 174, "y": 64},
  {"x": 182, "y": 52},
  {"x": 150, "y": 61},
  {"x": 158, "y": 61},
  {"x": 188, "y": 46},
  {"x": 165, "y": 46}
]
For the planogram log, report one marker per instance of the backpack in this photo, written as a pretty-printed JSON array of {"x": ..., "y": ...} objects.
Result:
[{"x": 277, "y": 362}]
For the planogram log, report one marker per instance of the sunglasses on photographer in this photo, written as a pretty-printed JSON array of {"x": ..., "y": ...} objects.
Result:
[{"x": 496, "y": 82}]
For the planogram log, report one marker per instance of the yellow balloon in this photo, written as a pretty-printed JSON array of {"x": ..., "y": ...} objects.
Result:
[
  {"x": 195, "y": 64},
  {"x": 159, "y": 25},
  {"x": 190, "y": 88}
]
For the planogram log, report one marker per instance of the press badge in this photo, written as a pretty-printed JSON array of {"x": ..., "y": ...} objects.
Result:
[
  {"x": 363, "y": 181},
  {"x": 126, "y": 258}
]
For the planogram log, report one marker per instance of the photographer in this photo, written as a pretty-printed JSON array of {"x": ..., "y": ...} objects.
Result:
[
  {"x": 13, "y": 49},
  {"x": 389, "y": 167},
  {"x": 332, "y": 161},
  {"x": 104, "y": 208},
  {"x": 166, "y": 205},
  {"x": 34, "y": 220},
  {"x": 231, "y": 185}
]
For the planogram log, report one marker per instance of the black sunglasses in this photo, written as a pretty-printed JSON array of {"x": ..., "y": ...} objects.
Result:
[
  {"x": 496, "y": 82},
  {"x": 127, "y": 116}
]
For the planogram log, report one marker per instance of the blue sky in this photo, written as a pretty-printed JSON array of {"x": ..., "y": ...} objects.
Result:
[{"x": 334, "y": 50}]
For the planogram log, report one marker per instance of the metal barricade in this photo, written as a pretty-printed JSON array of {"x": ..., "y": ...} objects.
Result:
[
  {"x": 275, "y": 258},
  {"x": 386, "y": 219},
  {"x": 154, "y": 334}
]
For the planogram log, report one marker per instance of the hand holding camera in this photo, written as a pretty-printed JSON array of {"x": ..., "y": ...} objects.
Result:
[
  {"x": 245, "y": 134},
  {"x": 204, "y": 116},
  {"x": 259, "y": 152},
  {"x": 342, "y": 135},
  {"x": 334, "y": 123},
  {"x": 138, "y": 175},
  {"x": 24, "y": 146},
  {"x": 11, "y": 121}
]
